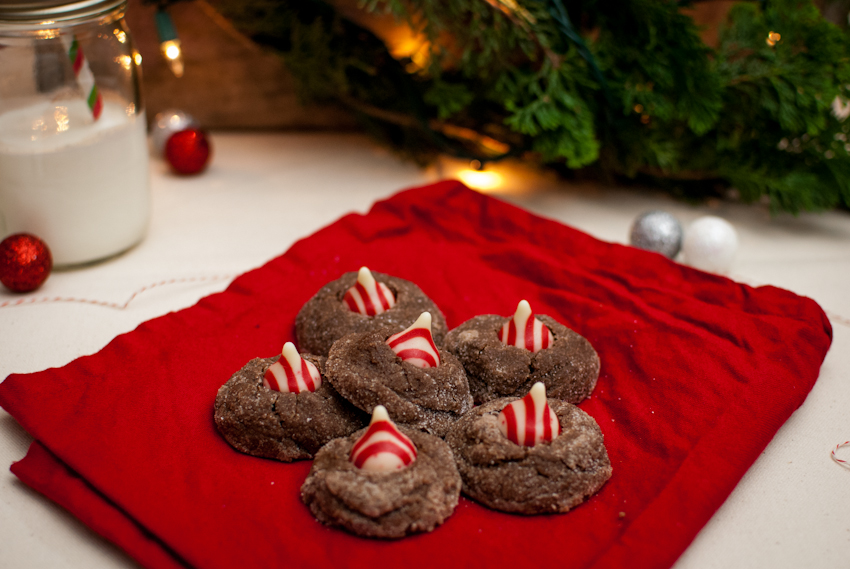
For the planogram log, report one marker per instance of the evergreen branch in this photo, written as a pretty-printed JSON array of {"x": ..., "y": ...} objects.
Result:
[
  {"x": 510, "y": 76},
  {"x": 559, "y": 13},
  {"x": 492, "y": 149}
]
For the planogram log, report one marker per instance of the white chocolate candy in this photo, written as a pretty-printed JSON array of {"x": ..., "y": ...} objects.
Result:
[
  {"x": 416, "y": 344},
  {"x": 382, "y": 448},
  {"x": 292, "y": 373},
  {"x": 530, "y": 420},
  {"x": 368, "y": 296},
  {"x": 525, "y": 331}
]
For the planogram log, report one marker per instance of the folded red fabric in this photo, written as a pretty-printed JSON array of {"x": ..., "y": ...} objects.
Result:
[{"x": 698, "y": 373}]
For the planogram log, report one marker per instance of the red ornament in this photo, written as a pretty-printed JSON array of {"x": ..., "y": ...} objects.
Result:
[
  {"x": 188, "y": 151},
  {"x": 25, "y": 262}
]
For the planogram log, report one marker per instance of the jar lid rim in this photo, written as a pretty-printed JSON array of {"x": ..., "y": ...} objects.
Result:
[{"x": 38, "y": 11}]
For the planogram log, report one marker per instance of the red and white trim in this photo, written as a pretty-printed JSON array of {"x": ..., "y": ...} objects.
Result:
[
  {"x": 416, "y": 344},
  {"x": 526, "y": 331},
  {"x": 840, "y": 461},
  {"x": 368, "y": 296},
  {"x": 530, "y": 420},
  {"x": 292, "y": 373},
  {"x": 382, "y": 448}
]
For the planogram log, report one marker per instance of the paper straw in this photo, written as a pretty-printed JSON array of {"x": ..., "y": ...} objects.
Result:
[{"x": 83, "y": 74}]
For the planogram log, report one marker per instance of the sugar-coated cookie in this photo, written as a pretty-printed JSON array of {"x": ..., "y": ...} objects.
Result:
[
  {"x": 548, "y": 477},
  {"x": 365, "y": 369},
  {"x": 286, "y": 426},
  {"x": 568, "y": 366},
  {"x": 414, "y": 494},
  {"x": 332, "y": 313}
]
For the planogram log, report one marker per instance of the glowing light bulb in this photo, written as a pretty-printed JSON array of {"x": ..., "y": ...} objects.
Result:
[
  {"x": 481, "y": 180},
  {"x": 169, "y": 43},
  {"x": 773, "y": 38},
  {"x": 173, "y": 55}
]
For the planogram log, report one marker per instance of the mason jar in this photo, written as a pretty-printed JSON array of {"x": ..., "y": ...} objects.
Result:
[{"x": 73, "y": 147}]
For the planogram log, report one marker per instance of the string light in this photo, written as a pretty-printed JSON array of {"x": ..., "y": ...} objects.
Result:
[
  {"x": 477, "y": 178},
  {"x": 773, "y": 38},
  {"x": 169, "y": 43}
]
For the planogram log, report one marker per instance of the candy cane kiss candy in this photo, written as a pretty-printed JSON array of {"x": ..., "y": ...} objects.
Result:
[
  {"x": 526, "y": 331},
  {"x": 292, "y": 373},
  {"x": 382, "y": 448},
  {"x": 530, "y": 420},
  {"x": 368, "y": 296},
  {"x": 416, "y": 345}
]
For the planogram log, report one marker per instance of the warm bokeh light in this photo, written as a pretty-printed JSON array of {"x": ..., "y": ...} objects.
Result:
[
  {"x": 173, "y": 55},
  {"x": 509, "y": 177},
  {"x": 171, "y": 49},
  {"x": 773, "y": 38},
  {"x": 481, "y": 180},
  {"x": 49, "y": 33}
]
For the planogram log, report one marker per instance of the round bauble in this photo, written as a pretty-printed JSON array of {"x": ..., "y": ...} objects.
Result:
[
  {"x": 188, "y": 151},
  {"x": 710, "y": 244},
  {"x": 25, "y": 262},
  {"x": 657, "y": 231},
  {"x": 167, "y": 123}
]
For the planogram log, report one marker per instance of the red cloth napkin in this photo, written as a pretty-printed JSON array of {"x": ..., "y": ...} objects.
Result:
[{"x": 698, "y": 373}]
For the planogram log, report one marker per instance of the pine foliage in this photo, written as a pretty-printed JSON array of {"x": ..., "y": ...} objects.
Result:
[{"x": 621, "y": 87}]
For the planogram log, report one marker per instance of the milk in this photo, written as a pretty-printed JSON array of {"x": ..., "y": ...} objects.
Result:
[{"x": 78, "y": 184}]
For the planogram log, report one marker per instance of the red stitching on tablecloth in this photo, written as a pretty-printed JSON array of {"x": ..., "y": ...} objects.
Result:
[
  {"x": 118, "y": 305},
  {"x": 838, "y": 461}
]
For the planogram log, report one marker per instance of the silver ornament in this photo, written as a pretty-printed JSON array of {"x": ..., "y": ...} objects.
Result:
[
  {"x": 657, "y": 231},
  {"x": 167, "y": 123}
]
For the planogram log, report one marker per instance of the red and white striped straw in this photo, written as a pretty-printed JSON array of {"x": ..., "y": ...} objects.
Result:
[
  {"x": 84, "y": 76},
  {"x": 839, "y": 461}
]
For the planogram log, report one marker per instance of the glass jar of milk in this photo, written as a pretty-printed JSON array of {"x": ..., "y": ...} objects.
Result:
[{"x": 73, "y": 147}]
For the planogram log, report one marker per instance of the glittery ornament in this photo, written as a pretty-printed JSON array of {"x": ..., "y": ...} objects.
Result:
[
  {"x": 657, "y": 231},
  {"x": 25, "y": 262},
  {"x": 167, "y": 123},
  {"x": 710, "y": 244},
  {"x": 188, "y": 151}
]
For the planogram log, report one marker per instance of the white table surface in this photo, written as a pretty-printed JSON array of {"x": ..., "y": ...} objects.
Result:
[{"x": 262, "y": 192}]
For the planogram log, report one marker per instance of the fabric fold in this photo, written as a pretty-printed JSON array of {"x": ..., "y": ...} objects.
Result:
[{"x": 698, "y": 374}]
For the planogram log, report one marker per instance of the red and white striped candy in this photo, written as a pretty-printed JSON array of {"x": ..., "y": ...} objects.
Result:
[
  {"x": 368, "y": 296},
  {"x": 416, "y": 344},
  {"x": 382, "y": 448},
  {"x": 526, "y": 331},
  {"x": 530, "y": 420},
  {"x": 292, "y": 373}
]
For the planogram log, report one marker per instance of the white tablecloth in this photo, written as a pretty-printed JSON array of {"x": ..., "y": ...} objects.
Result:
[{"x": 262, "y": 192}]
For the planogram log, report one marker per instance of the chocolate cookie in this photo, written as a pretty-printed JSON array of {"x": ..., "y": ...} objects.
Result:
[
  {"x": 415, "y": 499},
  {"x": 568, "y": 368},
  {"x": 549, "y": 477},
  {"x": 285, "y": 426},
  {"x": 325, "y": 318},
  {"x": 366, "y": 371}
]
